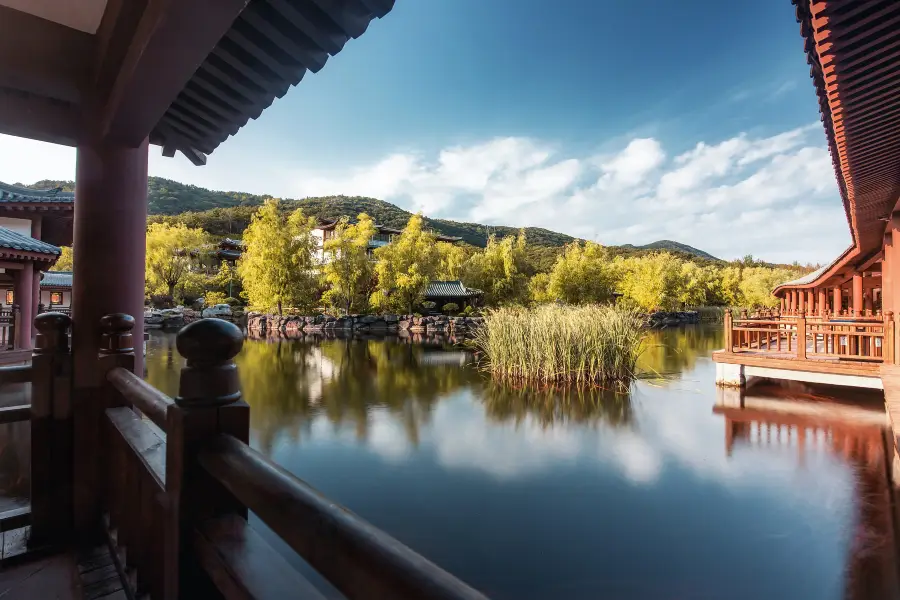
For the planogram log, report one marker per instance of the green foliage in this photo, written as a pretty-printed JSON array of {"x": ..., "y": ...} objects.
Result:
[
  {"x": 405, "y": 267},
  {"x": 757, "y": 284},
  {"x": 213, "y": 298},
  {"x": 451, "y": 308},
  {"x": 276, "y": 267},
  {"x": 588, "y": 344},
  {"x": 582, "y": 274},
  {"x": 429, "y": 305},
  {"x": 468, "y": 311},
  {"x": 652, "y": 282},
  {"x": 64, "y": 262},
  {"x": 349, "y": 272},
  {"x": 169, "y": 260},
  {"x": 232, "y": 302},
  {"x": 453, "y": 258},
  {"x": 500, "y": 271}
]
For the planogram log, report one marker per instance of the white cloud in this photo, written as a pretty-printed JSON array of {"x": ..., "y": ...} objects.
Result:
[{"x": 730, "y": 197}]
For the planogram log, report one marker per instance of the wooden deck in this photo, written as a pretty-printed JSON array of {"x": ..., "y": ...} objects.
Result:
[{"x": 790, "y": 362}]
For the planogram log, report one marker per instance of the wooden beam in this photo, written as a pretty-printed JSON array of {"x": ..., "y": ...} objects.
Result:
[
  {"x": 29, "y": 116},
  {"x": 14, "y": 266},
  {"x": 171, "y": 41},
  {"x": 42, "y": 57}
]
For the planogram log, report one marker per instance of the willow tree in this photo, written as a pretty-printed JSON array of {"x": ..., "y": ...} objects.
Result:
[
  {"x": 405, "y": 267},
  {"x": 652, "y": 281},
  {"x": 452, "y": 260},
  {"x": 583, "y": 274},
  {"x": 277, "y": 266},
  {"x": 169, "y": 255},
  {"x": 500, "y": 271},
  {"x": 348, "y": 271}
]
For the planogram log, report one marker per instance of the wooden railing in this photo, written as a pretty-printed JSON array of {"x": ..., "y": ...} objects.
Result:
[
  {"x": 8, "y": 319},
  {"x": 868, "y": 338},
  {"x": 175, "y": 497}
]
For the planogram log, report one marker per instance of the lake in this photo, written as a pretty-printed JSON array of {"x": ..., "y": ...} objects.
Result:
[{"x": 666, "y": 490}]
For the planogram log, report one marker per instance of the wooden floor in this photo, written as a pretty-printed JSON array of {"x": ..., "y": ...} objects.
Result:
[
  {"x": 790, "y": 362},
  {"x": 70, "y": 575},
  {"x": 890, "y": 379}
]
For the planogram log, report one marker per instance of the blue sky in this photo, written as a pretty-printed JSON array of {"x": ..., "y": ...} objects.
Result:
[{"x": 613, "y": 120}]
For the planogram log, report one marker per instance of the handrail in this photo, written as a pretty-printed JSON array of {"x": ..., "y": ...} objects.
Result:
[
  {"x": 14, "y": 414},
  {"x": 15, "y": 374},
  {"x": 146, "y": 398},
  {"x": 357, "y": 558}
]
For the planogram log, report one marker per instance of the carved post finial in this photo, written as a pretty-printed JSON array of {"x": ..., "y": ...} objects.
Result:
[
  {"x": 52, "y": 333},
  {"x": 116, "y": 337},
  {"x": 210, "y": 377}
]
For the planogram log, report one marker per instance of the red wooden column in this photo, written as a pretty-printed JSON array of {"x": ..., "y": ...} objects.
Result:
[
  {"x": 857, "y": 302},
  {"x": 822, "y": 303},
  {"x": 810, "y": 301},
  {"x": 887, "y": 273},
  {"x": 36, "y": 278},
  {"x": 801, "y": 301},
  {"x": 868, "y": 304},
  {"x": 109, "y": 248},
  {"x": 23, "y": 294},
  {"x": 838, "y": 300},
  {"x": 783, "y": 305}
]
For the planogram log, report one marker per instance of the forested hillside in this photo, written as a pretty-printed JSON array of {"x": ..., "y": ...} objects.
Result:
[{"x": 228, "y": 214}]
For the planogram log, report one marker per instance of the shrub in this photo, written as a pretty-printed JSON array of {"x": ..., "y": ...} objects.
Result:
[
  {"x": 468, "y": 311},
  {"x": 590, "y": 344},
  {"x": 451, "y": 308},
  {"x": 429, "y": 305},
  {"x": 162, "y": 301},
  {"x": 233, "y": 302},
  {"x": 213, "y": 298}
]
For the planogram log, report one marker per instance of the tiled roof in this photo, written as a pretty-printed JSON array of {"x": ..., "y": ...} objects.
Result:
[
  {"x": 808, "y": 278},
  {"x": 61, "y": 279},
  {"x": 16, "y": 241},
  {"x": 228, "y": 254},
  {"x": 14, "y": 193},
  {"x": 450, "y": 289}
]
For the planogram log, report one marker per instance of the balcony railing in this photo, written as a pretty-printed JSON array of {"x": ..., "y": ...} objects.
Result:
[{"x": 867, "y": 338}]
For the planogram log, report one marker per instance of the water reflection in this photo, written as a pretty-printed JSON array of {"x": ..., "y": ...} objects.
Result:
[{"x": 668, "y": 491}]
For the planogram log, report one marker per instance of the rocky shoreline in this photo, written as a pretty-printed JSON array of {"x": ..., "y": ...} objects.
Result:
[
  {"x": 262, "y": 324},
  {"x": 258, "y": 323}
]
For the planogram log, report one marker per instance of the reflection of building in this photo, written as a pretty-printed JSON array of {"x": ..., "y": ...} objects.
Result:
[{"x": 857, "y": 436}]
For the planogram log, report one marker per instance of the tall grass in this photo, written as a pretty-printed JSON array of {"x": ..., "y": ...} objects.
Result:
[{"x": 589, "y": 344}]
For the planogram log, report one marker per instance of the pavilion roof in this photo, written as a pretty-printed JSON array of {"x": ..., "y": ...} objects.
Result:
[
  {"x": 268, "y": 49},
  {"x": 57, "y": 279},
  {"x": 851, "y": 50},
  {"x": 450, "y": 289},
  {"x": 14, "y": 193},
  {"x": 11, "y": 240}
]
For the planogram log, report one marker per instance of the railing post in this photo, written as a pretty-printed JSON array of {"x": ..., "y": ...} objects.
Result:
[
  {"x": 51, "y": 431},
  {"x": 16, "y": 317},
  {"x": 208, "y": 404},
  {"x": 887, "y": 344},
  {"x": 801, "y": 335},
  {"x": 729, "y": 333},
  {"x": 116, "y": 350}
]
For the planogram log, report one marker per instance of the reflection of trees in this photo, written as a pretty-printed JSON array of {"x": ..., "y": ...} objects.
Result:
[
  {"x": 675, "y": 350},
  {"x": 552, "y": 405},
  {"x": 289, "y": 383}
]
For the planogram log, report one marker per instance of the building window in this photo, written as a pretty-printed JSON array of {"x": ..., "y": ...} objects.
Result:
[
  {"x": 55, "y": 298},
  {"x": 9, "y": 296}
]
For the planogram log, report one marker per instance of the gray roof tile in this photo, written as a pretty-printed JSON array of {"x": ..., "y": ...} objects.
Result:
[
  {"x": 16, "y": 241},
  {"x": 14, "y": 193},
  {"x": 62, "y": 279},
  {"x": 449, "y": 289}
]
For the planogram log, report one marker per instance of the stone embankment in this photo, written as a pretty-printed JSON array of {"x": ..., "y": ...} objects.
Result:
[
  {"x": 663, "y": 319},
  {"x": 263, "y": 323},
  {"x": 178, "y": 317}
]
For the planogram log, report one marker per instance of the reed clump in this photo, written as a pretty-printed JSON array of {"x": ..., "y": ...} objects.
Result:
[{"x": 589, "y": 344}]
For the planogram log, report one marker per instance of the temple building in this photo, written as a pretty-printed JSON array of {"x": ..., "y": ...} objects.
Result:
[
  {"x": 384, "y": 235},
  {"x": 837, "y": 325}
]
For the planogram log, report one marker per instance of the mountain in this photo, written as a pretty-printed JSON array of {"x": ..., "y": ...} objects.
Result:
[
  {"x": 228, "y": 213},
  {"x": 670, "y": 246}
]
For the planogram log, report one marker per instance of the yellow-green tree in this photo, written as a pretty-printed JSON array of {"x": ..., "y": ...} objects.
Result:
[
  {"x": 757, "y": 284},
  {"x": 452, "y": 260},
  {"x": 694, "y": 284},
  {"x": 348, "y": 270},
  {"x": 64, "y": 262},
  {"x": 652, "y": 281},
  {"x": 169, "y": 260},
  {"x": 276, "y": 266},
  {"x": 582, "y": 274},
  {"x": 405, "y": 267},
  {"x": 500, "y": 271},
  {"x": 728, "y": 286}
]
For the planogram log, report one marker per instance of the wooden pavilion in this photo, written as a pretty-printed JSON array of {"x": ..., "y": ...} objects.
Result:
[
  {"x": 837, "y": 325},
  {"x": 120, "y": 508}
]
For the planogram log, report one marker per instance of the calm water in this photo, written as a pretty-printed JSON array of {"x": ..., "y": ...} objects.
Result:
[{"x": 651, "y": 494}]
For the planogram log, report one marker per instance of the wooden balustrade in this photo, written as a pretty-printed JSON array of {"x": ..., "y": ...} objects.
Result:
[
  {"x": 868, "y": 338},
  {"x": 176, "y": 504},
  {"x": 9, "y": 318}
]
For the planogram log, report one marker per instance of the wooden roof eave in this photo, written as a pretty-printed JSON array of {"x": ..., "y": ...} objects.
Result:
[{"x": 846, "y": 257}]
